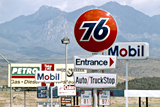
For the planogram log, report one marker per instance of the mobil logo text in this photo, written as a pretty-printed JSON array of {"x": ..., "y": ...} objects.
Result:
[
  {"x": 129, "y": 50},
  {"x": 48, "y": 76}
]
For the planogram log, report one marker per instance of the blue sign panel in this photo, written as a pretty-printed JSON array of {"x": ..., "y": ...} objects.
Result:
[
  {"x": 42, "y": 92},
  {"x": 54, "y": 92},
  {"x": 117, "y": 93}
]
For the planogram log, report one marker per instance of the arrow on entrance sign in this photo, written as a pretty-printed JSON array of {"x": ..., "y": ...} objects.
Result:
[
  {"x": 111, "y": 61},
  {"x": 95, "y": 62}
]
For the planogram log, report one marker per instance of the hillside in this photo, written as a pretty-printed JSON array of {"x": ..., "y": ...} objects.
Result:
[
  {"x": 39, "y": 34},
  {"x": 136, "y": 68}
]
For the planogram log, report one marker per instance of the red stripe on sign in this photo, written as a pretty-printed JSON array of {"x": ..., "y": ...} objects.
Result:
[
  {"x": 47, "y": 67},
  {"x": 23, "y": 76}
]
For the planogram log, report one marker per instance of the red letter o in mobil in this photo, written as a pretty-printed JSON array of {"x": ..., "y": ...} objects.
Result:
[
  {"x": 95, "y": 30},
  {"x": 46, "y": 77},
  {"x": 123, "y": 52}
]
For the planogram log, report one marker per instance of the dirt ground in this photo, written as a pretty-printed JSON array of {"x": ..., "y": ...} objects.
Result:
[{"x": 31, "y": 100}]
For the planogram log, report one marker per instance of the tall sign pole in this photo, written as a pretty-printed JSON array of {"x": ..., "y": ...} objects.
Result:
[{"x": 126, "y": 81}]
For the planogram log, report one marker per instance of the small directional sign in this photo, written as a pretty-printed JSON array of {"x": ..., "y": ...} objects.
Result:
[
  {"x": 54, "y": 92},
  {"x": 42, "y": 92},
  {"x": 95, "y": 62}
]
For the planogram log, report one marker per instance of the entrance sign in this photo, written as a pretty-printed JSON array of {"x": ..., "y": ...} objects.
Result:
[
  {"x": 104, "y": 97},
  {"x": 95, "y": 62},
  {"x": 66, "y": 90},
  {"x": 95, "y": 30},
  {"x": 95, "y": 80},
  {"x": 86, "y": 97},
  {"x": 48, "y": 76},
  {"x": 129, "y": 50}
]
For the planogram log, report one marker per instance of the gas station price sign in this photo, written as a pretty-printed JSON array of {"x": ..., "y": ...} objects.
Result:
[
  {"x": 86, "y": 97},
  {"x": 104, "y": 97}
]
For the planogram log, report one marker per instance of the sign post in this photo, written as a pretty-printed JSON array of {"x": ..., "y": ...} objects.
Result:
[
  {"x": 95, "y": 31},
  {"x": 129, "y": 51}
]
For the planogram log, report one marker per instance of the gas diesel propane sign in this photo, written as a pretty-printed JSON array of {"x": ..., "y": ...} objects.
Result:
[
  {"x": 23, "y": 75},
  {"x": 95, "y": 80}
]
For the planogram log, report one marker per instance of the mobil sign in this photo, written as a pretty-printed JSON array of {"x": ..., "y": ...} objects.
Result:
[
  {"x": 48, "y": 76},
  {"x": 129, "y": 50}
]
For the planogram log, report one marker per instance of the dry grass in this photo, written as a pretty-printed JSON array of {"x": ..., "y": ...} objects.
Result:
[{"x": 31, "y": 100}]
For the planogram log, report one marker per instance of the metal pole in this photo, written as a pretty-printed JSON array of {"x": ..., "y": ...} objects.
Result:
[
  {"x": 66, "y": 64},
  {"x": 10, "y": 79},
  {"x": 126, "y": 81},
  {"x": 24, "y": 98},
  {"x": 94, "y": 89},
  {"x": 146, "y": 101},
  {"x": 51, "y": 96},
  {"x": 48, "y": 94},
  {"x": 102, "y": 72},
  {"x": 139, "y": 101},
  {"x": 95, "y": 97}
]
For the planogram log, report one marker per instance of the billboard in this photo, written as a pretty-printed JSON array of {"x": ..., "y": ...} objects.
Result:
[{"x": 23, "y": 74}]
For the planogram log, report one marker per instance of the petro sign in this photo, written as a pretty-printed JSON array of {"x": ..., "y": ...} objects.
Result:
[
  {"x": 129, "y": 50},
  {"x": 95, "y": 30}
]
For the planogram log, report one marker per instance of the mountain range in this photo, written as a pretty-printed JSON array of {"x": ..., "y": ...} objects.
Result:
[{"x": 39, "y": 34}]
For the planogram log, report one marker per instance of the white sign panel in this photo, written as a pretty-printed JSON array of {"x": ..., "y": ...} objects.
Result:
[
  {"x": 142, "y": 93},
  {"x": 129, "y": 50},
  {"x": 95, "y": 80},
  {"x": 95, "y": 62},
  {"x": 104, "y": 97},
  {"x": 70, "y": 73},
  {"x": 64, "y": 90},
  {"x": 48, "y": 76},
  {"x": 86, "y": 97}
]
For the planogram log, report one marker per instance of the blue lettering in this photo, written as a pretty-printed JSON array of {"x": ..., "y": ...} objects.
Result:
[
  {"x": 132, "y": 50},
  {"x": 78, "y": 62},
  {"x": 142, "y": 50},
  {"x": 115, "y": 52},
  {"x": 40, "y": 77},
  {"x": 52, "y": 77}
]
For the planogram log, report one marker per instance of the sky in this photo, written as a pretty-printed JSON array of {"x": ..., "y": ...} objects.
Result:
[{"x": 10, "y": 9}]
